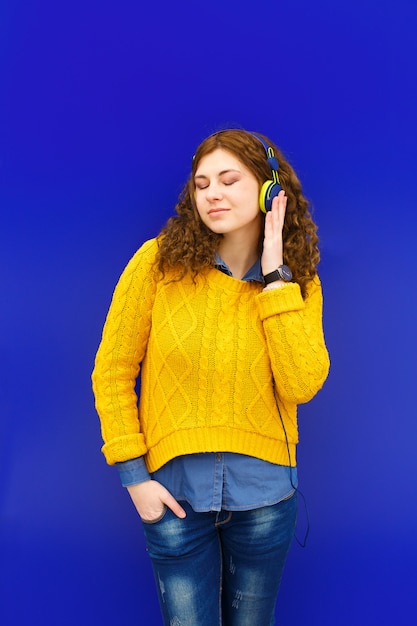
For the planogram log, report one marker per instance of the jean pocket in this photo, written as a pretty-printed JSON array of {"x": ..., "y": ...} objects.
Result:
[{"x": 156, "y": 519}]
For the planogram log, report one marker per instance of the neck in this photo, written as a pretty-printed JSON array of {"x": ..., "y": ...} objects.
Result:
[{"x": 239, "y": 254}]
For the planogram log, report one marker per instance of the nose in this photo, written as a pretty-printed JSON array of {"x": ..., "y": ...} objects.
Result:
[{"x": 213, "y": 192}]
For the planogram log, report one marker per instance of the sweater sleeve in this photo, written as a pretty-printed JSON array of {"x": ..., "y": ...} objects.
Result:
[
  {"x": 118, "y": 359},
  {"x": 295, "y": 339}
]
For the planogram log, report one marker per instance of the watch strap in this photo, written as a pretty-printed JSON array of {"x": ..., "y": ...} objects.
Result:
[
  {"x": 272, "y": 277},
  {"x": 283, "y": 272}
]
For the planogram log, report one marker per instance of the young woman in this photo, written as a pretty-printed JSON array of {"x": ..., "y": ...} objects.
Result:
[{"x": 222, "y": 316}]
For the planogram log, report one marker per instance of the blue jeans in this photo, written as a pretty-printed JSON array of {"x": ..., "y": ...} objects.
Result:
[{"x": 220, "y": 568}]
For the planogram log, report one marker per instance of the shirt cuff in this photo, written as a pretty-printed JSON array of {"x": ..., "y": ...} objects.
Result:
[{"x": 133, "y": 472}]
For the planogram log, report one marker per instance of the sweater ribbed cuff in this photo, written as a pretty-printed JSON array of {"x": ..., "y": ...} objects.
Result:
[
  {"x": 124, "y": 448},
  {"x": 283, "y": 300}
]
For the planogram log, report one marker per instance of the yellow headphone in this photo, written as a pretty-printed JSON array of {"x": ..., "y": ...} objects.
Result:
[{"x": 271, "y": 187}]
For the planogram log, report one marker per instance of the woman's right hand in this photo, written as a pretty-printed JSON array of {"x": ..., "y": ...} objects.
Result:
[{"x": 150, "y": 497}]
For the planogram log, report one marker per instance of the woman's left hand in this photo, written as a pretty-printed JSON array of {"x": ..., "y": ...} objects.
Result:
[{"x": 272, "y": 256}]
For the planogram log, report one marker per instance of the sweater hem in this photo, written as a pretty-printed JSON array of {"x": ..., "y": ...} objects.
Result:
[{"x": 220, "y": 439}]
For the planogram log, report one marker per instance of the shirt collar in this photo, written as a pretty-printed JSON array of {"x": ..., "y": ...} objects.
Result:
[{"x": 253, "y": 274}]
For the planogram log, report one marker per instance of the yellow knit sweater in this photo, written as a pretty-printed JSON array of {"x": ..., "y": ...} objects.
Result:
[{"x": 216, "y": 355}]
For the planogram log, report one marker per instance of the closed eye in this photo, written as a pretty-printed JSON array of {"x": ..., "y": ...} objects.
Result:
[
  {"x": 226, "y": 183},
  {"x": 227, "y": 177}
]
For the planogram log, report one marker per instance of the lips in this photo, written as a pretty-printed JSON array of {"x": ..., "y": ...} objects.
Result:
[{"x": 218, "y": 211}]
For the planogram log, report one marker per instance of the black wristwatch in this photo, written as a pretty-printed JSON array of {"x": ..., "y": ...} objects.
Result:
[{"x": 282, "y": 273}]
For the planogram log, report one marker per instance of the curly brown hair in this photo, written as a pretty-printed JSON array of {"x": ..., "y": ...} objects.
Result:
[{"x": 187, "y": 245}]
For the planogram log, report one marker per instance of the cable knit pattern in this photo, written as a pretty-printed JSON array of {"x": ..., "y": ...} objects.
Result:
[{"x": 217, "y": 354}]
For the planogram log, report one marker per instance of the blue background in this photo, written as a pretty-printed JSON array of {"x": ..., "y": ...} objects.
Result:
[{"x": 101, "y": 107}]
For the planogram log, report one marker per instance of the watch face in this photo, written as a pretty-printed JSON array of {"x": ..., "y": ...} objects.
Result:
[{"x": 285, "y": 272}]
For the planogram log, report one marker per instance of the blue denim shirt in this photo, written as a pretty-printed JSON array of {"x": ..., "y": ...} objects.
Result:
[{"x": 212, "y": 481}]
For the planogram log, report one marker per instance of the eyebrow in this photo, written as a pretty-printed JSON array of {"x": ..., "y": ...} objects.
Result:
[{"x": 219, "y": 174}]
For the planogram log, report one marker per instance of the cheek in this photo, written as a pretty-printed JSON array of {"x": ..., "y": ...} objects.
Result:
[
  {"x": 198, "y": 203},
  {"x": 252, "y": 204}
]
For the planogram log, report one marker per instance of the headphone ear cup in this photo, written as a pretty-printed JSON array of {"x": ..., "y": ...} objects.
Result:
[{"x": 269, "y": 190}]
